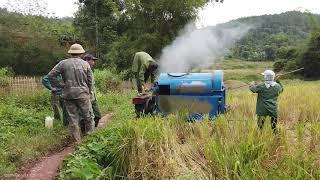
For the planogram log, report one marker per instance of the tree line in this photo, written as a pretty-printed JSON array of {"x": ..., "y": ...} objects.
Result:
[
  {"x": 30, "y": 45},
  {"x": 114, "y": 30}
]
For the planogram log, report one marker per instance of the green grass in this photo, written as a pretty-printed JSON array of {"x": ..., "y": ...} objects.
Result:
[
  {"x": 23, "y": 137},
  {"x": 240, "y": 64},
  {"x": 239, "y": 70}
]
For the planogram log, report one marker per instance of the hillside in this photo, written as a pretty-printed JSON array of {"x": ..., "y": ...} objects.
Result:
[
  {"x": 272, "y": 36},
  {"x": 30, "y": 45}
]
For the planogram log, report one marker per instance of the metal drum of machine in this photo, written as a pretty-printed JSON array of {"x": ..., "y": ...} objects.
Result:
[{"x": 195, "y": 93}]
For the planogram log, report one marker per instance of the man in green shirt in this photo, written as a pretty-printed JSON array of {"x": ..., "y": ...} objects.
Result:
[
  {"x": 59, "y": 111},
  {"x": 143, "y": 67},
  {"x": 268, "y": 93},
  {"x": 95, "y": 108}
]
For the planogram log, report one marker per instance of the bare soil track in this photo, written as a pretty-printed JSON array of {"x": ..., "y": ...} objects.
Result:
[{"x": 47, "y": 167}]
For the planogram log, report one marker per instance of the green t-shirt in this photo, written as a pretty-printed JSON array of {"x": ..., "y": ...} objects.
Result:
[{"x": 140, "y": 66}]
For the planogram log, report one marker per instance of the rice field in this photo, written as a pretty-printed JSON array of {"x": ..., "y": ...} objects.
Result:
[{"x": 229, "y": 147}]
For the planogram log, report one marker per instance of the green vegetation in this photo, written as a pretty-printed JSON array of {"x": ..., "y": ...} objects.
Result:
[
  {"x": 23, "y": 137},
  {"x": 239, "y": 70},
  {"x": 229, "y": 147},
  {"x": 31, "y": 45},
  {"x": 310, "y": 58},
  {"x": 5, "y": 73},
  {"x": 273, "y": 37},
  {"x": 291, "y": 39},
  {"x": 106, "y": 80},
  {"x": 125, "y": 27},
  {"x": 115, "y": 30}
]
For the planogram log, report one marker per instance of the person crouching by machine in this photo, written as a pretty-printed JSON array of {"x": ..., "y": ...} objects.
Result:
[{"x": 143, "y": 68}]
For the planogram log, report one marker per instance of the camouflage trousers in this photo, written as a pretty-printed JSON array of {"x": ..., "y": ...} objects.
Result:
[
  {"x": 76, "y": 109},
  {"x": 59, "y": 110},
  {"x": 95, "y": 113}
]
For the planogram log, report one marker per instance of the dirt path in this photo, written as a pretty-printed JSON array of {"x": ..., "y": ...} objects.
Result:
[{"x": 46, "y": 168}]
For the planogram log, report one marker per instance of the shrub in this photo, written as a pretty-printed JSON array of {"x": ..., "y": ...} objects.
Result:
[
  {"x": 5, "y": 73},
  {"x": 279, "y": 65},
  {"x": 106, "y": 80},
  {"x": 23, "y": 136}
]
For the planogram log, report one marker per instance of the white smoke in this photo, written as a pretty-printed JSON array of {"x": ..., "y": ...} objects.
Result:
[{"x": 198, "y": 48}]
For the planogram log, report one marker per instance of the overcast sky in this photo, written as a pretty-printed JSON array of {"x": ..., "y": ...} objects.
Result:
[
  {"x": 233, "y": 9},
  {"x": 213, "y": 13}
]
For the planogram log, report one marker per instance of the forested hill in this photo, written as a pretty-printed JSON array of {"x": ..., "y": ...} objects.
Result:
[
  {"x": 30, "y": 45},
  {"x": 272, "y": 36}
]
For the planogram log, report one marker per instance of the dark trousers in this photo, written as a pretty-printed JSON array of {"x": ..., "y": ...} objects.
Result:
[
  {"x": 274, "y": 121},
  {"x": 96, "y": 112}
]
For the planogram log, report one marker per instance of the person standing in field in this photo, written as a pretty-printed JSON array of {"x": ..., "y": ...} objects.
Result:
[
  {"x": 95, "y": 108},
  {"x": 268, "y": 93},
  {"x": 59, "y": 111},
  {"x": 143, "y": 67},
  {"x": 76, "y": 85}
]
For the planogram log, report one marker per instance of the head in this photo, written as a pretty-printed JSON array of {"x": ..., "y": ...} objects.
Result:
[
  {"x": 90, "y": 59},
  {"x": 153, "y": 66},
  {"x": 269, "y": 75},
  {"x": 76, "y": 50}
]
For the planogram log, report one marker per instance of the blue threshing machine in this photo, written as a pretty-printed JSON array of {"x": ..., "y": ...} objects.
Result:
[{"x": 195, "y": 93}]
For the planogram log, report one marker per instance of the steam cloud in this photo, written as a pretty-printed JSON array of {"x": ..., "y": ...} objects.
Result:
[{"x": 198, "y": 48}]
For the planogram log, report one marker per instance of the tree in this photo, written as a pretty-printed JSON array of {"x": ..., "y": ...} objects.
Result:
[
  {"x": 269, "y": 53},
  {"x": 31, "y": 45},
  {"x": 271, "y": 36},
  {"x": 125, "y": 27},
  {"x": 310, "y": 59}
]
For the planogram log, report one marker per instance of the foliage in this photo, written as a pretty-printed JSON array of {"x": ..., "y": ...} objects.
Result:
[
  {"x": 5, "y": 73},
  {"x": 279, "y": 65},
  {"x": 118, "y": 29},
  {"x": 31, "y": 45},
  {"x": 305, "y": 55},
  {"x": 22, "y": 134},
  {"x": 273, "y": 37},
  {"x": 230, "y": 147},
  {"x": 239, "y": 70},
  {"x": 310, "y": 58},
  {"x": 106, "y": 80}
]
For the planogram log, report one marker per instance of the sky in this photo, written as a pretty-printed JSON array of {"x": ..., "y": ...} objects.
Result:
[
  {"x": 232, "y": 9},
  {"x": 63, "y": 7},
  {"x": 211, "y": 14}
]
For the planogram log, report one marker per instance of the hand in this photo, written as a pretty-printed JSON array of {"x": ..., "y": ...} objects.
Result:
[
  {"x": 144, "y": 87},
  {"x": 62, "y": 85},
  {"x": 53, "y": 90}
]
